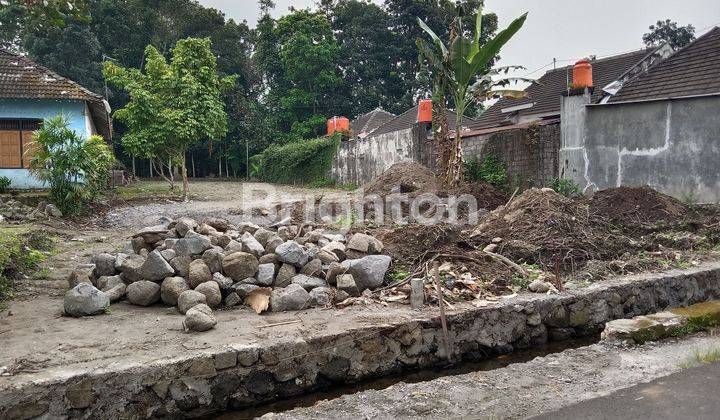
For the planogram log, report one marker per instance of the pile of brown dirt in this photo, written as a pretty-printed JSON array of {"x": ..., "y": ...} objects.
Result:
[
  {"x": 406, "y": 178},
  {"x": 628, "y": 206},
  {"x": 410, "y": 244},
  {"x": 545, "y": 228},
  {"x": 488, "y": 197}
]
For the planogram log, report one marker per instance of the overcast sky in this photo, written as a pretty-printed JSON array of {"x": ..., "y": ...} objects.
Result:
[{"x": 564, "y": 29}]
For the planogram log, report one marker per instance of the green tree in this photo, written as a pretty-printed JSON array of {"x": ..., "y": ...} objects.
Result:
[
  {"x": 21, "y": 17},
  {"x": 76, "y": 168},
  {"x": 172, "y": 105},
  {"x": 463, "y": 70},
  {"x": 669, "y": 31}
]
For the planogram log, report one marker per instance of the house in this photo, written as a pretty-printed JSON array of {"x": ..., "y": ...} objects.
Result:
[
  {"x": 29, "y": 94},
  {"x": 660, "y": 128},
  {"x": 365, "y": 124},
  {"x": 524, "y": 133}
]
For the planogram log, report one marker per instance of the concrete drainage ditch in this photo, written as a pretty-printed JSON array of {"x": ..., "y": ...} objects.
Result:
[{"x": 240, "y": 376}]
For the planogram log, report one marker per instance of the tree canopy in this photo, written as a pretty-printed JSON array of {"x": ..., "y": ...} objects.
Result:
[{"x": 669, "y": 31}]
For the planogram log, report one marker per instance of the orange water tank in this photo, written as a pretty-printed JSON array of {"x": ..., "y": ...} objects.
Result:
[
  {"x": 425, "y": 111},
  {"x": 582, "y": 75},
  {"x": 338, "y": 124}
]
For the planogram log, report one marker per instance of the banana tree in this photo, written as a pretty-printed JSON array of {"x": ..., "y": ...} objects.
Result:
[{"x": 463, "y": 71}]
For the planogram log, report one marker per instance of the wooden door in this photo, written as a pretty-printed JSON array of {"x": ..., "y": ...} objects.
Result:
[{"x": 29, "y": 147}]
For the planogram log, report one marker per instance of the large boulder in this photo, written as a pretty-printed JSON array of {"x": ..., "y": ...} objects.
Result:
[
  {"x": 105, "y": 283},
  {"x": 155, "y": 267},
  {"x": 251, "y": 245},
  {"x": 143, "y": 293},
  {"x": 313, "y": 268},
  {"x": 131, "y": 268},
  {"x": 85, "y": 300},
  {"x": 80, "y": 275},
  {"x": 291, "y": 298},
  {"x": 321, "y": 296},
  {"x": 292, "y": 253},
  {"x": 181, "y": 265},
  {"x": 266, "y": 274},
  {"x": 116, "y": 292},
  {"x": 337, "y": 248},
  {"x": 198, "y": 273},
  {"x": 189, "y": 299},
  {"x": 199, "y": 318},
  {"x": 211, "y": 290},
  {"x": 192, "y": 244},
  {"x": 240, "y": 265},
  {"x": 368, "y": 272},
  {"x": 104, "y": 265},
  {"x": 285, "y": 275},
  {"x": 308, "y": 283},
  {"x": 346, "y": 283},
  {"x": 243, "y": 289},
  {"x": 221, "y": 225},
  {"x": 213, "y": 258},
  {"x": 223, "y": 282},
  {"x": 171, "y": 289},
  {"x": 273, "y": 243},
  {"x": 263, "y": 235},
  {"x": 185, "y": 225}
]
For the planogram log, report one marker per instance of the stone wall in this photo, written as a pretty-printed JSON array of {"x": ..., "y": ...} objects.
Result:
[
  {"x": 242, "y": 375},
  {"x": 672, "y": 146},
  {"x": 530, "y": 154}
]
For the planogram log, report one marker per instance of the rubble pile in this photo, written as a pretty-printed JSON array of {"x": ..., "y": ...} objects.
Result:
[
  {"x": 198, "y": 267},
  {"x": 12, "y": 209},
  {"x": 631, "y": 206}
]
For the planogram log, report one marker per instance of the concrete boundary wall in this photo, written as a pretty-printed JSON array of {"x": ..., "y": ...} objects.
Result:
[
  {"x": 670, "y": 145},
  {"x": 242, "y": 375}
]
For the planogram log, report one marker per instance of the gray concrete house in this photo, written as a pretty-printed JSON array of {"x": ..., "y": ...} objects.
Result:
[{"x": 660, "y": 128}]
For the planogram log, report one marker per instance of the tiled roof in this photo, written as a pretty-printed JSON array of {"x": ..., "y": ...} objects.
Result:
[
  {"x": 22, "y": 78},
  {"x": 409, "y": 118},
  {"x": 545, "y": 92},
  {"x": 366, "y": 123},
  {"x": 693, "y": 70}
]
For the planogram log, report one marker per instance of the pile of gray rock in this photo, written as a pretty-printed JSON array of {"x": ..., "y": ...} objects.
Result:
[
  {"x": 11, "y": 209},
  {"x": 202, "y": 266}
]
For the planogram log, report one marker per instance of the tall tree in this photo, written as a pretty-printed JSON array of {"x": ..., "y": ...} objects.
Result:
[
  {"x": 172, "y": 105},
  {"x": 669, "y": 31},
  {"x": 463, "y": 69}
]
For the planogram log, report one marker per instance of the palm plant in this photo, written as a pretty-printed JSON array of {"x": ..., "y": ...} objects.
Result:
[{"x": 463, "y": 70}]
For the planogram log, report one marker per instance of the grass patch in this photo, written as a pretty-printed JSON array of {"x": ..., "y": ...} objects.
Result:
[
  {"x": 702, "y": 357},
  {"x": 21, "y": 251},
  {"x": 329, "y": 183},
  {"x": 142, "y": 190}
]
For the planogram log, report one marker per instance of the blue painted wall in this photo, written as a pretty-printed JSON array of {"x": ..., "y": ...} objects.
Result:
[{"x": 40, "y": 109}]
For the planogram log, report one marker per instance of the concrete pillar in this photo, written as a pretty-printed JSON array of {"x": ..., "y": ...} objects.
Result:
[{"x": 573, "y": 158}]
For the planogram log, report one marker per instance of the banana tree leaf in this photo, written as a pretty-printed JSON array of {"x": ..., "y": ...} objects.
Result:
[
  {"x": 461, "y": 67},
  {"x": 434, "y": 36},
  {"x": 478, "y": 32},
  {"x": 492, "y": 47},
  {"x": 508, "y": 93},
  {"x": 427, "y": 52}
]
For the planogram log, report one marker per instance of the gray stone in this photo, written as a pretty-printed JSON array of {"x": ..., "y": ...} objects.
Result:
[
  {"x": 168, "y": 254},
  {"x": 233, "y": 299},
  {"x": 291, "y": 298},
  {"x": 206, "y": 230},
  {"x": 417, "y": 293},
  {"x": 131, "y": 268},
  {"x": 104, "y": 265},
  {"x": 52, "y": 211},
  {"x": 198, "y": 274},
  {"x": 334, "y": 270},
  {"x": 321, "y": 296},
  {"x": 368, "y": 272},
  {"x": 273, "y": 243},
  {"x": 80, "y": 275},
  {"x": 138, "y": 244},
  {"x": 251, "y": 245},
  {"x": 359, "y": 242},
  {"x": 307, "y": 282},
  {"x": 105, "y": 283},
  {"x": 352, "y": 254},
  {"x": 243, "y": 289},
  {"x": 285, "y": 275},
  {"x": 346, "y": 283},
  {"x": 233, "y": 246},
  {"x": 85, "y": 300},
  {"x": 539, "y": 286},
  {"x": 240, "y": 265},
  {"x": 188, "y": 299},
  {"x": 223, "y": 282},
  {"x": 181, "y": 265},
  {"x": 116, "y": 292},
  {"x": 315, "y": 235},
  {"x": 217, "y": 223},
  {"x": 156, "y": 268},
  {"x": 247, "y": 227},
  {"x": 263, "y": 235},
  {"x": 313, "y": 268},
  {"x": 327, "y": 257},
  {"x": 211, "y": 290},
  {"x": 225, "y": 360},
  {"x": 223, "y": 240},
  {"x": 119, "y": 260},
  {"x": 199, "y": 318},
  {"x": 192, "y": 244},
  {"x": 143, "y": 293},
  {"x": 375, "y": 246},
  {"x": 185, "y": 225},
  {"x": 213, "y": 258},
  {"x": 337, "y": 248},
  {"x": 171, "y": 289},
  {"x": 292, "y": 253},
  {"x": 266, "y": 274}
]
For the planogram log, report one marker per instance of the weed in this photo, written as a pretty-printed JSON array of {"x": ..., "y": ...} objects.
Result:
[
  {"x": 520, "y": 281},
  {"x": 700, "y": 358},
  {"x": 4, "y": 184},
  {"x": 491, "y": 170},
  {"x": 565, "y": 187},
  {"x": 397, "y": 275},
  {"x": 19, "y": 254}
]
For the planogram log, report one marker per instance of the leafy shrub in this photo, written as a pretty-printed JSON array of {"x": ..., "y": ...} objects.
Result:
[
  {"x": 302, "y": 161},
  {"x": 565, "y": 187},
  {"x": 4, "y": 184},
  {"x": 491, "y": 170},
  {"x": 76, "y": 168},
  {"x": 19, "y": 253}
]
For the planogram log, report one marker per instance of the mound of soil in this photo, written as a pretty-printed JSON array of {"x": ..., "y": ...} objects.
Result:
[
  {"x": 628, "y": 206},
  {"x": 409, "y": 244},
  {"x": 543, "y": 227},
  {"x": 405, "y": 177},
  {"x": 488, "y": 197}
]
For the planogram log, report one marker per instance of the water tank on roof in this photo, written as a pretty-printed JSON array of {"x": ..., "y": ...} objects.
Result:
[
  {"x": 338, "y": 124},
  {"x": 425, "y": 111},
  {"x": 582, "y": 75}
]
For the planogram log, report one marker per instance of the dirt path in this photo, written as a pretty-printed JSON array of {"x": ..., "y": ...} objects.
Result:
[{"x": 517, "y": 391}]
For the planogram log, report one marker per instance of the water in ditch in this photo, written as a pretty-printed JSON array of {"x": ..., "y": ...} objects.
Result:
[{"x": 336, "y": 391}]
